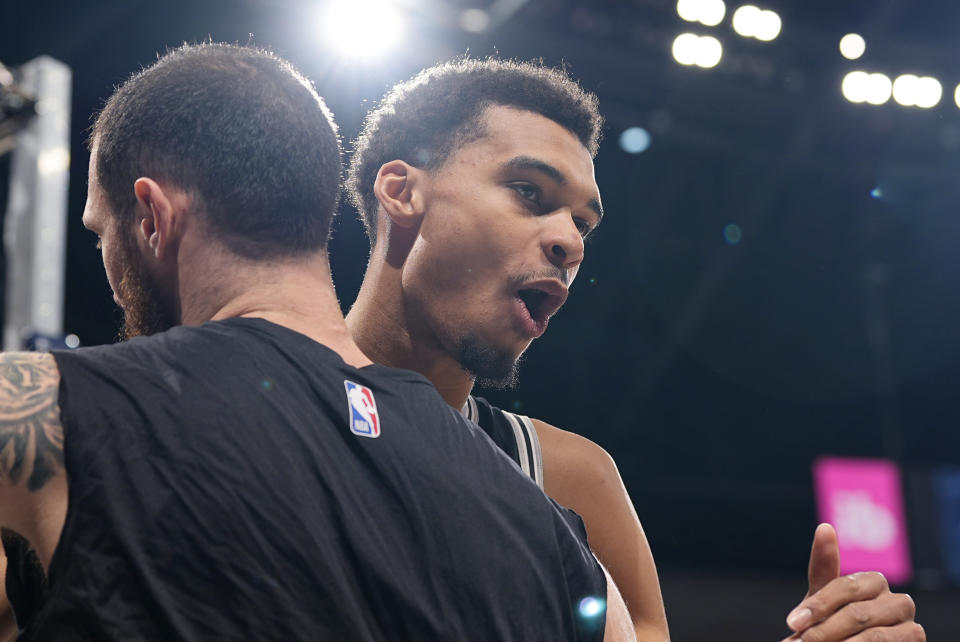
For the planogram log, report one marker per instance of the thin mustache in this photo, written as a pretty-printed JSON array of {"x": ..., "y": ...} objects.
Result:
[{"x": 557, "y": 273}]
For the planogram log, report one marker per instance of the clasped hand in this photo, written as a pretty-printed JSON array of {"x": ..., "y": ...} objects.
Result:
[{"x": 854, "y": 608}]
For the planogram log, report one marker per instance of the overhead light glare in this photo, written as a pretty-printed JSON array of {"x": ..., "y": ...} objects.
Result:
[
  {"x": 879, "y": 89},
  {"x": 753, "y": 22},
  {"x": 474, "y": 20},
  {"x": 852, "y": 46},
  {"x": 707, "y": 12},
  {"x": 702, "y": 51},
  {"x": 854, "y": 86},
  {"x": 363, "y": 28},
  {"x": 911, "y": 91},
  {"x": 905, "y": 90},
  {"x": 861, "y": 87},
  {"x": 635, "y": 140}
]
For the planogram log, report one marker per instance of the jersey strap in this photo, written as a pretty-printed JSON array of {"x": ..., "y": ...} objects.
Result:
[{"x": 525, "y": 435}]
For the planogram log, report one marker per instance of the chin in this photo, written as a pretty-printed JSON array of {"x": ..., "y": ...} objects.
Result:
[{"x": 491, "y": 365}]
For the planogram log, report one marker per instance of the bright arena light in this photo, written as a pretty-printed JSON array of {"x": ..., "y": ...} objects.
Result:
[
  {"x": 769, "y": 27},
  {"x": 711, "y": 51},
  {"x": 929, "y": 93},
  {"x": 363, "y": 28},
  {"x": 854, "y": 86},
  {"x": 703, "y": 51},
  {"x": 685, "y": 47},
  {"x": 911, "y": 91},
  {"x": 708, "y": 12},
  {"x": 474, "y": 20},
  {"x": 861, "y": 87},
  {"x": 753, "y": 22},
  {"x": 745, "y": 20},
  {"x": 852, "y": 46},
  {"x": 905, "y": 89},
  {"x": 956, "y": 95},
  {"x": 635, "y": 140},
  {"x": 879, "y": 89}
]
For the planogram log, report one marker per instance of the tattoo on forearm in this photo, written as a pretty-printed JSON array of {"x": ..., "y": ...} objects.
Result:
[{"x": 31, "y": 438}]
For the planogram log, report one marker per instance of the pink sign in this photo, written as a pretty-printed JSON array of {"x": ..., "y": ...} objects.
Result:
[{"x": 863, "y": 501}]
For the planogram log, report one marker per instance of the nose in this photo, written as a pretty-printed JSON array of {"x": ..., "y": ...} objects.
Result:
[{"x": 562, "y": 242}]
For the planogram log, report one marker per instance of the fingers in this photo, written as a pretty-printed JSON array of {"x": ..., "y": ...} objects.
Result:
[
  {"x": 888, "y": 617},
  {"x": 903, "y": 632},
  {"x": 858, "y": 587},
  {"x": 824, "y": 558}
]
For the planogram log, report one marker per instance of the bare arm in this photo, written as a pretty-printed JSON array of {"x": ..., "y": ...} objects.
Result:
[
  {"x": 582, "y": 476},
  {"x": 619, "y": 627},
  {"x": 32, "y": 475},
  {"x": 8, "y": 626}
]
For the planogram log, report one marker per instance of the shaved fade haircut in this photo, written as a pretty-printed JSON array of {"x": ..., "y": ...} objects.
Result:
[
  {"x": 241, "y": 131},
  {"x": 424, "y": 120}
]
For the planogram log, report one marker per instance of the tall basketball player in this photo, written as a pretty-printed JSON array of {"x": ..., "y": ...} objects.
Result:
[{"x": 475, "y": 183}]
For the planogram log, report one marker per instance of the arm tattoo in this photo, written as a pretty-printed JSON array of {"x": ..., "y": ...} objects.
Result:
[{"x": 31, "y": 437}]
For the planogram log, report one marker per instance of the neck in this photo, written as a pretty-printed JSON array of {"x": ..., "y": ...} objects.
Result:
[
  {"x": 382, "y": 327},
  {"x": 296, "y": 293}
]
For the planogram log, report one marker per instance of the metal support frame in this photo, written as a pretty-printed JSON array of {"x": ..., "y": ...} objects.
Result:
[{"x": 34, "y": 233}]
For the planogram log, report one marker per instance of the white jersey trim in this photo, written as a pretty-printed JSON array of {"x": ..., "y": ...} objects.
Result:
[
  {"x": 525, "y": 436},
  {"x": 537, "y": 463}
]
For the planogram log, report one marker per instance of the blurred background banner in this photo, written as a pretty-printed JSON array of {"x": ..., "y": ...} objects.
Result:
[
  {"x": 864, "y": 502},
  {"x": 948, "y": 495},
  {"x": 776, "y": 279}
]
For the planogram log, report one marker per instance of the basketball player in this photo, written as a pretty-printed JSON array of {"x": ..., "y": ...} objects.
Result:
[
  {"x": 246, "y": 472},
  {"x": 475, "y": 183}
]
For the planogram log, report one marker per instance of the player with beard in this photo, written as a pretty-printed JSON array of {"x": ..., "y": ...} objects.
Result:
[
  {"x": 245, "y": 472},
  {"x": 475, "y": 184}
]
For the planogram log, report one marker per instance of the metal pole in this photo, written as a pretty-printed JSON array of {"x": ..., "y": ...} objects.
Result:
[{"x": 34, "y": 232}]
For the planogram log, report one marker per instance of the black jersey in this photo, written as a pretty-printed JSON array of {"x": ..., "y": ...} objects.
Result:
[
  {"x": 25, "y": 581},
  {"x": 516, "y": 436},
  {"x": 513, "y": 433},
  {"x": 239, "y": 481}
]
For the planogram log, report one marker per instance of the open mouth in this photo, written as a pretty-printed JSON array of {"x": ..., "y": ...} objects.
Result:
[
  {"x": 540, "y": 300},
  {"x": 535, "y": 301}
]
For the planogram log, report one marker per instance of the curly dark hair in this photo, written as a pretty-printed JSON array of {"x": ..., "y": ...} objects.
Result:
[
  {"x": 425, "y": 119},
  {"x": 239, "y": 129}
]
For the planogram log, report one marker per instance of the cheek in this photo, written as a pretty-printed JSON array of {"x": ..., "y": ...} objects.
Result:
[
  {"x": 447, "y": 259},
  {"x": 112, "y": 264}
]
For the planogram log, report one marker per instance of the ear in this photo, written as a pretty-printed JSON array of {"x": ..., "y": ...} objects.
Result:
[
  {"x": 157, "y": 217},
  {"x": 398, "y": 188}
]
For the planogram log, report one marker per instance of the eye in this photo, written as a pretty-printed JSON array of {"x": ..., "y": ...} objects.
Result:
[
  {"x": 583, "y": 227},
  {"x": 527, "y": 191}
]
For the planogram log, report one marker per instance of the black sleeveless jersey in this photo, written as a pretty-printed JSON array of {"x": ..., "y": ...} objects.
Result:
[
  {"x": 25, "y": 582},
  {"x": 516, "y": 436},
  {"x": 513, "y": 433},
  {"x": 239, "y": 481}
]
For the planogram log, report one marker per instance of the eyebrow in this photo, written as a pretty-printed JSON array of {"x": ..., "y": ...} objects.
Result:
[{"x": 551, "y": 172}]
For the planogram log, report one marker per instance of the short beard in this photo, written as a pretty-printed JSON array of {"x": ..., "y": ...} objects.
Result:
[
  {"x": 491, "y": 368},
  {"x": 144, "y": 312}
]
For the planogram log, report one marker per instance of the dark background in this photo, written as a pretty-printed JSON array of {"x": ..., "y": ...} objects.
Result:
[{"x": 713, "y": 372}]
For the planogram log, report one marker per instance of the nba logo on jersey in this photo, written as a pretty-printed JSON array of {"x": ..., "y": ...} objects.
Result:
[{"x": 364, "y": 420}]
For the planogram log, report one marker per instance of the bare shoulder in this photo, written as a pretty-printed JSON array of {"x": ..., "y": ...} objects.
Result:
[
  {"x": 569, "y": 456},
  {"x": 31, "y": 437}
]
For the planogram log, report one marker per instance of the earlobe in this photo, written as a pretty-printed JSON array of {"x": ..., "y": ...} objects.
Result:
[{"x": 397, "y": 189}]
